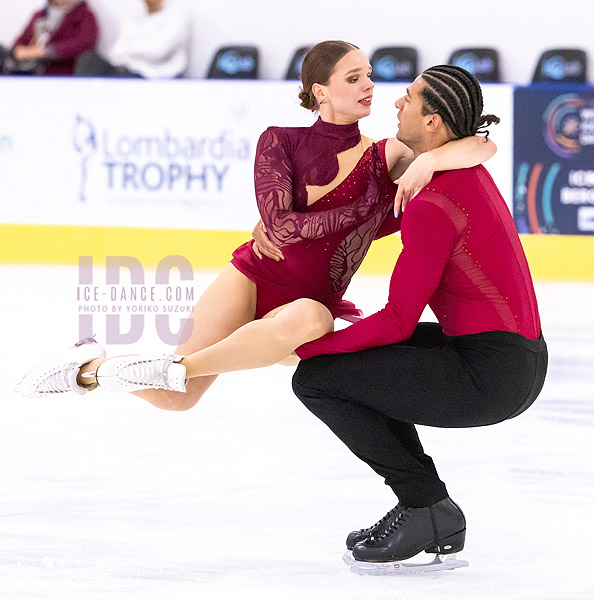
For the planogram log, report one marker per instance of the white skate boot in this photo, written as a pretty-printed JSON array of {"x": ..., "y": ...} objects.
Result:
[
  {"x": 58, "y": 374},
  {"x": 141, "y": 372}
]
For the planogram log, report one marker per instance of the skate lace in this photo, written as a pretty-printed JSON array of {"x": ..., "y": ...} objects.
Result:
[
  {"x": 393, "y": 526},
  {"x": 383, "y": 520},
  {"x": 146, "y": 372},
  {"x": 56, "y": 381}
]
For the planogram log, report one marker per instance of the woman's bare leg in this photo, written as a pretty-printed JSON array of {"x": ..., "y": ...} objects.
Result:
[
  {"x": 226, "y": 338},
  {"x": 226, "y": 305},
  {"x": 264, "y": 342}
]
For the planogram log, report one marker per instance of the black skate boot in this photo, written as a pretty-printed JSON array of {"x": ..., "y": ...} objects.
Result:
[
  {"x": 439, "y": 528},
  {"x": 361, "y": 535}
]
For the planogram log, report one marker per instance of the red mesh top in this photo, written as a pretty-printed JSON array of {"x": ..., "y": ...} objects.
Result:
[
  {"x": 462, "y": 256},
  {"x": 324, "y": 243}
]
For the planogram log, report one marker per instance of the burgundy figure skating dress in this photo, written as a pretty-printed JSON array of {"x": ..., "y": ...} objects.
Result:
[{"x": 323, "y": 243}]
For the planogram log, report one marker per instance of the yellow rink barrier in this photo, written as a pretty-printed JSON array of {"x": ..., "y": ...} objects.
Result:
[{"x": 552, "y": 257}]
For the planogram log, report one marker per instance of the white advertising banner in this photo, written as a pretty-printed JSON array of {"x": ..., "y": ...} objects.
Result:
[{"x": 175, "y": 154}]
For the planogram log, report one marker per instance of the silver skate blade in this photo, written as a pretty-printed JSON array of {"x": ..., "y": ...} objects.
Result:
[
  {"x": 441, "y": 562},
  {"x": 89, "y": 340},
  {"x": 347, "y": 558}
]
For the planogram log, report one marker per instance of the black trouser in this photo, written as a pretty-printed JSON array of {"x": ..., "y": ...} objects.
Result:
[{"x": 371, "y": 399}]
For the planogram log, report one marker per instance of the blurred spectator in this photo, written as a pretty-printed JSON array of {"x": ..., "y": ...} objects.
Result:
[
  {"x": 155, "y": 45},
  {"x": 53, "y": 40}
]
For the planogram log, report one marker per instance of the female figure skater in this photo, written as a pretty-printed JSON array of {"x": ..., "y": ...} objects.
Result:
[{"x": 324, "y": 194}]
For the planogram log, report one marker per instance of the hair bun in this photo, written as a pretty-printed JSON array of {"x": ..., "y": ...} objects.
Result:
[{"x": 306, "y": 100}]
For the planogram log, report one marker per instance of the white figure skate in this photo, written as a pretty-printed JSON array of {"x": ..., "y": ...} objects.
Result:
[
  {"x": 57, "y": 375},
  {"x": 141, "y": 372}
]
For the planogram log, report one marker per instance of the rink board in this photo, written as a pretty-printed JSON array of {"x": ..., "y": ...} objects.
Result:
[
  {"x": 552, "y": 257},
  {"x": 150, "y": 169}
]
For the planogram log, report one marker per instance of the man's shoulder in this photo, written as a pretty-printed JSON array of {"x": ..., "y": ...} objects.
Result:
[
  {"x": 447, "y": 177},
  {"x": 456, "y": 181},
  {"x": 468, "y": 187}
]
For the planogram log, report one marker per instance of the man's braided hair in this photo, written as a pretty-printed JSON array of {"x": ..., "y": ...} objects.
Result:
[{"x": 455, "y": 95}]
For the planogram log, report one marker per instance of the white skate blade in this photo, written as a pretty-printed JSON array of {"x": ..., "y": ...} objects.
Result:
[
  {"x": 347, "y": 558},
  {"x": 441, "y": 562}
]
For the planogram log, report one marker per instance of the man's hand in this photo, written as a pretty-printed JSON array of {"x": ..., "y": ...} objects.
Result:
[{"x": 262, "y": 244}]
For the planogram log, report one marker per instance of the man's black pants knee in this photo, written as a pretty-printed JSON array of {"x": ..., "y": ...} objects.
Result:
[{"x": 372, "y": 399}]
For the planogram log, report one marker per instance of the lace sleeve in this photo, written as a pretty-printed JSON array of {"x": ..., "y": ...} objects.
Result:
[{"x": 273, "y": 177}]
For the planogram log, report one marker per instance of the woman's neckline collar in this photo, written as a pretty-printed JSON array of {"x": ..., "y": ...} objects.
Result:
[{"x": 341, "y": 132}]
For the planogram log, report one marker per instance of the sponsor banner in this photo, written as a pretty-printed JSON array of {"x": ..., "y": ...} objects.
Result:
[
  {"x": 133, "y": 153},
  {"x": 554, "y": 160},
  {"x": 174, "y": 154}
]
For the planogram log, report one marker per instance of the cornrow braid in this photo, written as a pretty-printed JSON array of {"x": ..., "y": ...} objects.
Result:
[{"x": 455, "y": 95}]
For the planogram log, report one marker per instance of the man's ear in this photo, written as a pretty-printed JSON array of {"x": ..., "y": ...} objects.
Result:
[{"x": 434, "y": 122}]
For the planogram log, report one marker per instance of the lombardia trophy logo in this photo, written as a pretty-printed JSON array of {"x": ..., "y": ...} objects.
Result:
[
  {"x": 85, "y": 143},
  {"x": 568, "y": 124},
  {"x": 157, "y": 159}
]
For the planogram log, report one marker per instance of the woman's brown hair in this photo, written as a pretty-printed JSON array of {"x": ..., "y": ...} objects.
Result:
[{"x": 318, "y": 66}]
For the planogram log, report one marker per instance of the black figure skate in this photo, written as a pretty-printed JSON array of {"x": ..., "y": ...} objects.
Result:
[
  {"x": 439, "y": 528},
  {"x": 360, "y": 535}
]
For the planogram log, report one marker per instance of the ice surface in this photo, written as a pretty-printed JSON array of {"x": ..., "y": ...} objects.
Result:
[{"x": 249, "y": 496}]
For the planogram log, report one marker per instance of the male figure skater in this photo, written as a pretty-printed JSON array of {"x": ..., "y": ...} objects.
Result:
[{"x": 483, "y": 362}]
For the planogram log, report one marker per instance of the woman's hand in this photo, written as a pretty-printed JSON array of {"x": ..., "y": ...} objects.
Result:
[
  {"x": 262, "y": 246},
  {"x": 457, "y": 154},
  {"x": 414, "y": 179}
]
